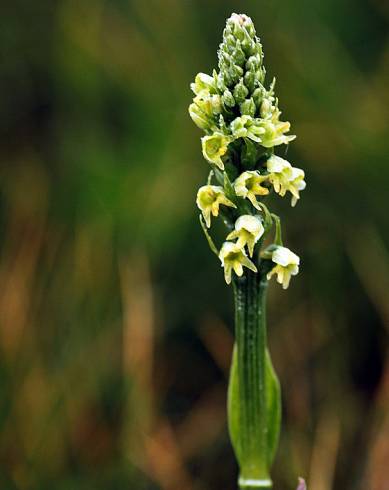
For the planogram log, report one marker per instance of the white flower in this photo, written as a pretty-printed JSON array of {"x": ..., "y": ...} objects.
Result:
[
  {"x": 285, "y": 178},
  {"x": 248, "y": 184},
  {"x": 280, "y": 173},
  {"x": 296, "y": 184},
  {"x": 287, "y": 265},
  {"x": 234, "y": 258},
  {"x": 248, "y": 230}
]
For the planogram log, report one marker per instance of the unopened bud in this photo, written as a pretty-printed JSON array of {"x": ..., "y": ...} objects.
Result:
[
  {"x": 240, "y": 92},
  {"x": 248, "y": 107}
]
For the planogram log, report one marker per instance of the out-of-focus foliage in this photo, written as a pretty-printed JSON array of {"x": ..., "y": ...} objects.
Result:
[{"x": 115, "y": 322}]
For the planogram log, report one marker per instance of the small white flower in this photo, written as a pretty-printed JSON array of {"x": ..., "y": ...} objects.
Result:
[
  {"x": 280, "y": 173},
  {"x": 248, "y": 230},
  {"x": 287, "y": 265},
  {"x": 285, "y": 178},
  {"x": 296, "y": 184},
  {"x": 234, "y": 258}
]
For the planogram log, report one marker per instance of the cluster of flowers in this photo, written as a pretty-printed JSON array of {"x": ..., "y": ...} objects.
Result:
[{"x": 241, "y": 120}]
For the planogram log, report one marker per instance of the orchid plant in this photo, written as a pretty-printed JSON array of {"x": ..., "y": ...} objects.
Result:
[{"x": 241, "y": 120}]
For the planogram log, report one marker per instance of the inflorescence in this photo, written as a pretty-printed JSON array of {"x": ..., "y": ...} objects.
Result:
[{"x": 241, "y": 121}]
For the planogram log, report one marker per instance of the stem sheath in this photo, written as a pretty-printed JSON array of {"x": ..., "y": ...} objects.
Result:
[{"x": 250, "y": 331}]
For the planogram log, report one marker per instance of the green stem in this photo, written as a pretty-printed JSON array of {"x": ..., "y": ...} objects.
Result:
[{"x": 250, "y": 330}]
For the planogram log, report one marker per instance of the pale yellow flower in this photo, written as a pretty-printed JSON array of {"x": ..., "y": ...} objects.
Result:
[
  {"x": 273, "y": 134},
  {"x": 214, "y": 147},
  {"x": 234, "y": 258},
  {"x": 274, "y": 129},
  {"x": 280, "y": 173},
  {"x": 287, "y": 265},
  {"x": 296, "y": 184},
  {"x": 285, "y": 178},
  {"x": 209, "y": 198},
  {"x": 248, "y": 185},
  {"x": 248, "y": 230},
  {"x": 203, "y": 85},
  {"x": 204, "y": 109}
]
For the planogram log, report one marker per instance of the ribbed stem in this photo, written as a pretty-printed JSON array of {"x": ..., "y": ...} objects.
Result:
[{"x": 250, "y": 330}]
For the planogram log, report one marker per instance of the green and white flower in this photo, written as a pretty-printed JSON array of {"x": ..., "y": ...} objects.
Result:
[
  {"x": 248, "y": 230},
  {"x": 234, "y": 258},
  {"x": 214, "y": 147},
  {"x": 287, "y": 265},
  {"x": 209, "y": 199},
  {"x": 247, "y": 127},
  {"x": 248, "y": 185}
]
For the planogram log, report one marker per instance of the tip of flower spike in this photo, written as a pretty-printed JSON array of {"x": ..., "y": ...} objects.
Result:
[{"x": 240, "y": 18}]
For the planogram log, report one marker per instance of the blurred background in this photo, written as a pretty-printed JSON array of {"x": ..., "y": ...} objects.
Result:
[{"x": 115, "y": 321}]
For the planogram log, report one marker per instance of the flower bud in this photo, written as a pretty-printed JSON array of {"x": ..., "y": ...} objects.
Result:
[
  {"x": 249, "y": 80},
  {"x": 253, "y": 63},
  {"x": 248, "y": 107},
  {"x": 228, "y": 98},
  {"x": 258, "y": 96},
  {"x": 240, "y": 92}
]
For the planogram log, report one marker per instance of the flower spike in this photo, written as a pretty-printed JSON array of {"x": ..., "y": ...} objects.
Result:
[{"x": 241, "y": 120}]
